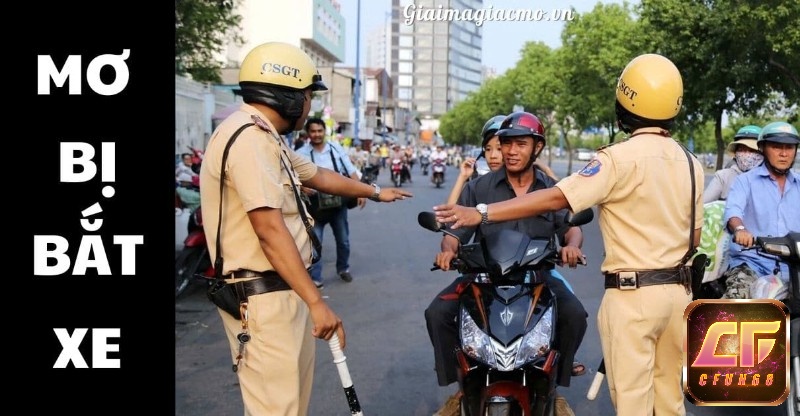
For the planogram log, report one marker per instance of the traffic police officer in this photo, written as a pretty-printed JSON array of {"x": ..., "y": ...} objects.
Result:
[
  {"x": 642, "y": 187},
  {"x": 265, "y": 245}
]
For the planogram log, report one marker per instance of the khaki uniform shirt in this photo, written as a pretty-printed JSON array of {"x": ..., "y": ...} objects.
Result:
[
  {"x": 643, "y": 190},
  {"x": 254, "y": 178}
]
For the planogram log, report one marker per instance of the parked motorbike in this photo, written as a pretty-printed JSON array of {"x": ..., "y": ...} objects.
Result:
[
  {"x": 424, "y": 162},
  {"x": 507, "y": 360},
  {"x": 438, "y": 172},
  {"x": 193, "y": 262}
]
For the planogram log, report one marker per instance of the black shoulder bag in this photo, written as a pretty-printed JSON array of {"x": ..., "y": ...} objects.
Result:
[
  {"x": 220, "y": 293},
  {"x": 322, "y": 201},
  {"x": 699, "y": 262},
  {"x": 348, "y": 201}
]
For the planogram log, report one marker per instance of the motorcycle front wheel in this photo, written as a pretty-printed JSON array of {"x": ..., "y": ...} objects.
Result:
[
  {"x": 499, "y": 409},
  {"x": 187, "y": 263}
]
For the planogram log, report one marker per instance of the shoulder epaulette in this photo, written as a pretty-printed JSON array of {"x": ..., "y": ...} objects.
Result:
[
  {"x": 612, "y": 144},
  {"x": 261, "y": 123}
]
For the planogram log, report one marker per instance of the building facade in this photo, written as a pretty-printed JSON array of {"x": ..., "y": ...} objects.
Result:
[
  {"x": 434, "y": 63},
  {"x": 379, "y": 47},
  {"x": 315, "y": 26}
]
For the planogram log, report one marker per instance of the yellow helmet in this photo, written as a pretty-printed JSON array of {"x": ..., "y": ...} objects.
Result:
[
  {"x": 282, "y": 65},
  {"x": 651, "y": 87}
]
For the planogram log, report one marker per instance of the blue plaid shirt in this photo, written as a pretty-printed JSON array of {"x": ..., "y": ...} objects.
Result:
[{"x": 755, "y": 198}]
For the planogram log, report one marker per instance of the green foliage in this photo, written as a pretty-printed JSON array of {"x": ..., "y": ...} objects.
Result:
[
  {"x": 738, "y": 57},
  {"x": 597, "y": 45},
  {"x": 202, "y": 28},
  {"x": 463, "y": 123},
  {"x": 538, "y": 84},
  {"x": 733, "y": 55}
]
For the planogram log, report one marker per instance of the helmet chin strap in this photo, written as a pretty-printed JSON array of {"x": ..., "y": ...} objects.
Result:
[
  {"x": 534, "y": 156},
  {"x": 773, "y": 169},
  {"x": 289, "y": 127},
  {"x": 776, "y": 171},
  {"x": 624, "y": 127}
]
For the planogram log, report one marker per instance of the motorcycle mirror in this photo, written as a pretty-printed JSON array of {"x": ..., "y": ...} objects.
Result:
[
  {"x": 428, "y": 221},
  {"x": 581, "y": 217}
]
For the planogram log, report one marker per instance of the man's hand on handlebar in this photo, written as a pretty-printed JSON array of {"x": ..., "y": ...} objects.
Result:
[
  {"x": 744, "y": 238},
  {"x": 571, "y": 256},
  {"x": 443, "y": 260}
]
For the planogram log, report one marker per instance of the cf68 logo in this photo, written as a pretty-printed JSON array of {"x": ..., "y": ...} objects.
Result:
[{"x": 736, "y": 352}]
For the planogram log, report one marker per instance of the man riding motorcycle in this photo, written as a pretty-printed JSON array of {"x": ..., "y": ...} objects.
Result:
[
  {"x": 522, "y": 140},
  {"x": 762, "y": 202}
]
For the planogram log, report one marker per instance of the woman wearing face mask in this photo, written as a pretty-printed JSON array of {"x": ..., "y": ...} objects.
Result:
[
  {"x": 714, "y": 241},
  {"x": 746, "y": 157}
]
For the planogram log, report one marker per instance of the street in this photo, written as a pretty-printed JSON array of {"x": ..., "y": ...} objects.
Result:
[{"x": 388, "y": 352}]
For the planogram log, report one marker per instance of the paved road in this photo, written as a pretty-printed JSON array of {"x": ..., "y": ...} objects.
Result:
[{"x": 388, "y": 350}]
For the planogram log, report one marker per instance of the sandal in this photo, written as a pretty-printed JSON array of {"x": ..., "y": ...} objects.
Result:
[{"x": 578, "y": 369}]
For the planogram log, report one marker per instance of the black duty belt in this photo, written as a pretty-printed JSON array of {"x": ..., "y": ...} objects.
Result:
[
  {"x": 635, "y": 279},
  {"x": 265, "y": 282}
]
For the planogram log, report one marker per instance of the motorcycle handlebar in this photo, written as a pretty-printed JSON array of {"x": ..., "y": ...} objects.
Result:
[
  {"x": 455, "y": 264},
  {"x": 582, "y": 261}
]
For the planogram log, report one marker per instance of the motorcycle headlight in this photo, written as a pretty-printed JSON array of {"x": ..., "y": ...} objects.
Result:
[
  {"x": 475, "y": 342},
  {"x": 537, "y": 342}
]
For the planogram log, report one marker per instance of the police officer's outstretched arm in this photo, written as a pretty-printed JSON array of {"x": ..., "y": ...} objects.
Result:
[
  {"x": 281, "y": 251},
  {"x": 524, "y": 206},
  {"x": 330, "y": 182}
]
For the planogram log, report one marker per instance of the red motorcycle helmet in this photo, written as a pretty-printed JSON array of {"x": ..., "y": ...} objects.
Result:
[{"x": 521, "y": 123}]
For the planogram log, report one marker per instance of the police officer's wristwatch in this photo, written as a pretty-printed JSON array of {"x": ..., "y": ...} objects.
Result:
[
  {"x": 483, "y": 209},
  {"x": 376, "y": 196}
]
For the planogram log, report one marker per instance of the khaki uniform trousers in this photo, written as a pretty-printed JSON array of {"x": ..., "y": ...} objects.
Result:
[
  {"x": 642, "y": 335},
  {"x": 277, "y": 371}
]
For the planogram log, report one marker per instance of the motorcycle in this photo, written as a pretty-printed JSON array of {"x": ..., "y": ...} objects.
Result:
[
  {"x": 507, "y": 321},
  {"x": 438, "y": 172},
  {"x": 197, "y": 158},
  {"x": 193, "y": 262},
  {"x": 400, "y": 172},
  {"x": 424, "y": 162},
  {"x": 787, "y": 249},
  {"x": 369, "y": 173}
]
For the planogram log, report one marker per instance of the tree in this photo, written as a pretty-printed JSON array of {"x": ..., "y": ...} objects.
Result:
[
  {"x": 537, "y": 84},
  {"x": 203, "y": 28},
  {"x": 596, "y": 47},
  {"x": 733, "y": 55},
  {"x": 463, "y": 123}
]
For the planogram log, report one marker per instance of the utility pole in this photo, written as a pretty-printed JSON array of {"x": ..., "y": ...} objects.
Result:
[
  {"x": 357, "y": 92},
  {"x": 387, "y": 53}
]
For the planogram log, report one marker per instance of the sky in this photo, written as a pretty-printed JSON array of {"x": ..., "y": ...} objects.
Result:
[{"x": 502, "y": 40}]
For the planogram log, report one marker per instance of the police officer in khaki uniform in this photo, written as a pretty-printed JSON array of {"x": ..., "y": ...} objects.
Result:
[
  {"x": 264, "y": 244},
  {"x": 642, "y": 187}
]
